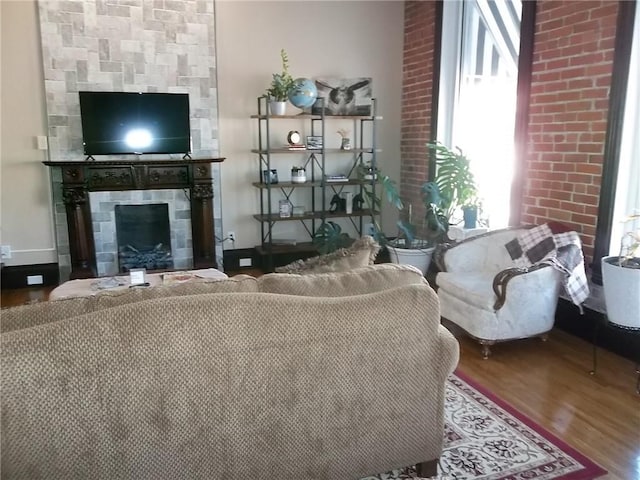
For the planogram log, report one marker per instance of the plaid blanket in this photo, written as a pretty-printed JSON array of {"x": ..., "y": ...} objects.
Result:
[{"x": 563, "y": 251}]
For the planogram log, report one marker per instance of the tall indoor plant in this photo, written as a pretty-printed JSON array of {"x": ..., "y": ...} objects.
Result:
[
  {"x": 281, "y": 83},
  {"x": 453, "y": 187},
  {"x": 621, "y": 278}
]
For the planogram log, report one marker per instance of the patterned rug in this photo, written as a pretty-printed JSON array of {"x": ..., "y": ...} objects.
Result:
[{"x": 487, "y": 439}]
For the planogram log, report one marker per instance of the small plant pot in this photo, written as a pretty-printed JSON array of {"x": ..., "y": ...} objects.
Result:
[
  {"x": 345, "y": 144},
  {"x": 277, "y": 108},
  {"x": 418, "y": 257},
  {"x": 621, "y": 293},
  {"x": 470, "y": 215}
]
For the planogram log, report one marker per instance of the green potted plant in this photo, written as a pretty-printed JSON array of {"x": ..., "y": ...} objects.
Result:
[
  {"x": 621, "y": 278},
  {"x": 329, "y": 236},
  {"x": 453, "y": 187},
  {"x": 281, "y": 83}
]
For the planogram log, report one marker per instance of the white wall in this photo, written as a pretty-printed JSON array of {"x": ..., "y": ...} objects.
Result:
[
  {"x": 26, "y": 222},
  {"x": 346, "y": 39},
  {"x": 323, "y": 39}
]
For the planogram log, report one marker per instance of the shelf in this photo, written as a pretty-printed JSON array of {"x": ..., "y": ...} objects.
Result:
[
  {"x": 307, "y": 116},
  {"x": 315, "y": 193},
  {"x": 315, "y": 150},
  {"x": 264, "y": 186},
  {"x": 286, "y": 248},
  {"x": 274, "y": 217}
]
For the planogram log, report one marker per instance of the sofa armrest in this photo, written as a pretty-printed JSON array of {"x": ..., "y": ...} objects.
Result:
[
  {"x": 502, "y": 278},
  {"x": 450, "y": 351}
]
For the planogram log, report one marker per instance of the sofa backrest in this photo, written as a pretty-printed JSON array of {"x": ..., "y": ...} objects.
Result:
[
  {"x": 228, "y": 385},
  {"x": 359, "y": 281}
]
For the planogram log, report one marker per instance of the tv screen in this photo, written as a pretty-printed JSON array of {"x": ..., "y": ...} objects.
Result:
[{"x": 126, "y": 123}]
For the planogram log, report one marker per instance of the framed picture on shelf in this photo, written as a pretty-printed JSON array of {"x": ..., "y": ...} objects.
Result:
[
  {"x": 314, "y": 142},
  {"x": 343, "y": 96},
  {"x": 270, "y": 176}
]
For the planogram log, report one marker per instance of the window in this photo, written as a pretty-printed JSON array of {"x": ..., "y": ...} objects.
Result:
[
  {"x": 627, "y": 198},
  {"x": 478, "y": 93}
]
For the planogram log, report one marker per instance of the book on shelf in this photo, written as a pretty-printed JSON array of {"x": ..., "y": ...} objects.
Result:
[
  {"x": 336, "y": 178},
  {"x": 297, "y": 146}
]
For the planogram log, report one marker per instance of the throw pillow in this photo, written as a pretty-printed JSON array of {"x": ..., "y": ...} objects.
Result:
[
  {"x": 531, "y": 246},
  {"x": 361, "y": 253}
]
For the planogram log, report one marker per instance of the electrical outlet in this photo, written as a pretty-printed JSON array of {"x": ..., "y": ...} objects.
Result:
[
  {"x": 5, "y": 251},
  {"x": 35, "y": 280},
  {"x": 245, "y": 262},
  {"x": 232, "y": 236},
  {"x": 42, "y": 143}
]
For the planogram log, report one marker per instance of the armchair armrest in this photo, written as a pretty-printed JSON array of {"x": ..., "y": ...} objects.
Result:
[{"x": 502, "y": 278}]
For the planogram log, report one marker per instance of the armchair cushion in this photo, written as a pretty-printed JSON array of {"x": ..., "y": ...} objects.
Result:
[
  {"x": 482, "y": 253},
  {"x": 474, "y": 288}
]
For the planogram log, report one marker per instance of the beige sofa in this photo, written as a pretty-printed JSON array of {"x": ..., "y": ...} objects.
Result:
[{"x": 324, "y": 376}]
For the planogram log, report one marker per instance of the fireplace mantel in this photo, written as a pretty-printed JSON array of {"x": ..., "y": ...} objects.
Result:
[{"x": 81, "y": 177}]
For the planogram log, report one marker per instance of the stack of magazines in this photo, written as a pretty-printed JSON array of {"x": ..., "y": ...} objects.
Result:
[{"x": 336, "y": 178}]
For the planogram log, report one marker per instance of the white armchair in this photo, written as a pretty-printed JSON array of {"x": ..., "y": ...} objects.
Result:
[{"x": 482, "y": 292}]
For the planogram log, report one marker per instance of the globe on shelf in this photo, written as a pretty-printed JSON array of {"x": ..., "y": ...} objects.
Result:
[{"x": 303, "y": 94}]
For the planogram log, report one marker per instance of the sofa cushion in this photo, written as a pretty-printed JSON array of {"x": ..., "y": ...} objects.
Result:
[
  {"x": 360, "y": 254},
  {"x": 369, "y": 279}
]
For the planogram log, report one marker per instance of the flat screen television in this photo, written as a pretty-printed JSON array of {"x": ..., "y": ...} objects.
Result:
[{"x": 134, "y": 123}]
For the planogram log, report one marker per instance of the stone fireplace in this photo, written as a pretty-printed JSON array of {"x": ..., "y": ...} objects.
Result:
[
  {"x": 125, "y": 46},
  {"x": 90, "y": 192}
]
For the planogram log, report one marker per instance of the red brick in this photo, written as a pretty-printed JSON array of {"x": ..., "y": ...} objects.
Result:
[
  {"x": 572, "y": 207},
  {"x": 590, "y": 168}
]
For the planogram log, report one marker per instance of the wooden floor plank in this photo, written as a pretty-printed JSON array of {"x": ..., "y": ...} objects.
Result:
[{"x": 598, "y": 415}]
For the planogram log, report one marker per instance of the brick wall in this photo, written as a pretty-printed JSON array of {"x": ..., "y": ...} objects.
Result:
[
  {"x": 416, "y": 99},
  {"x": 573, "y": 60},
  {"x": 572, "y": 66}
]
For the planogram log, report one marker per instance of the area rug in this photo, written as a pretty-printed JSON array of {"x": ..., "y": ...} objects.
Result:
[{"x": 487, "y": 439}]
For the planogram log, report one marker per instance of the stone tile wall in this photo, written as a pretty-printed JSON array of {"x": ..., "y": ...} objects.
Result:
[{"x": 132, "y": 46}]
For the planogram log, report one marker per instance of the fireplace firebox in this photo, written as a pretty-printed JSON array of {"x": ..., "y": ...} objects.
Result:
[{"x": 143, "y": 235}]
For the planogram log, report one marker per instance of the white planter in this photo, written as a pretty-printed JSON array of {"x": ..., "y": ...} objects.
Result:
[
  {"x": 621, "y": 293},
  {"x": 278, "y": 108},
  {"x": 418, "y": 257}
]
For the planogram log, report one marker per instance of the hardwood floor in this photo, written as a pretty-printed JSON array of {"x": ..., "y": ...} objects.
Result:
[
  {"x": 598, "y": 415},
  {"x": 549, "y": 382}
]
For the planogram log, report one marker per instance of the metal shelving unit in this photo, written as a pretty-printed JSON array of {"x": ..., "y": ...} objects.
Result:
[{"x": 315, "y": 162}]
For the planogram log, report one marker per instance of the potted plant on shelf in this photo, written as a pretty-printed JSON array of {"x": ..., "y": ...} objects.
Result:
[
  {"x": 621, "y": 278},
  {"x": 281, "y": 83}
]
